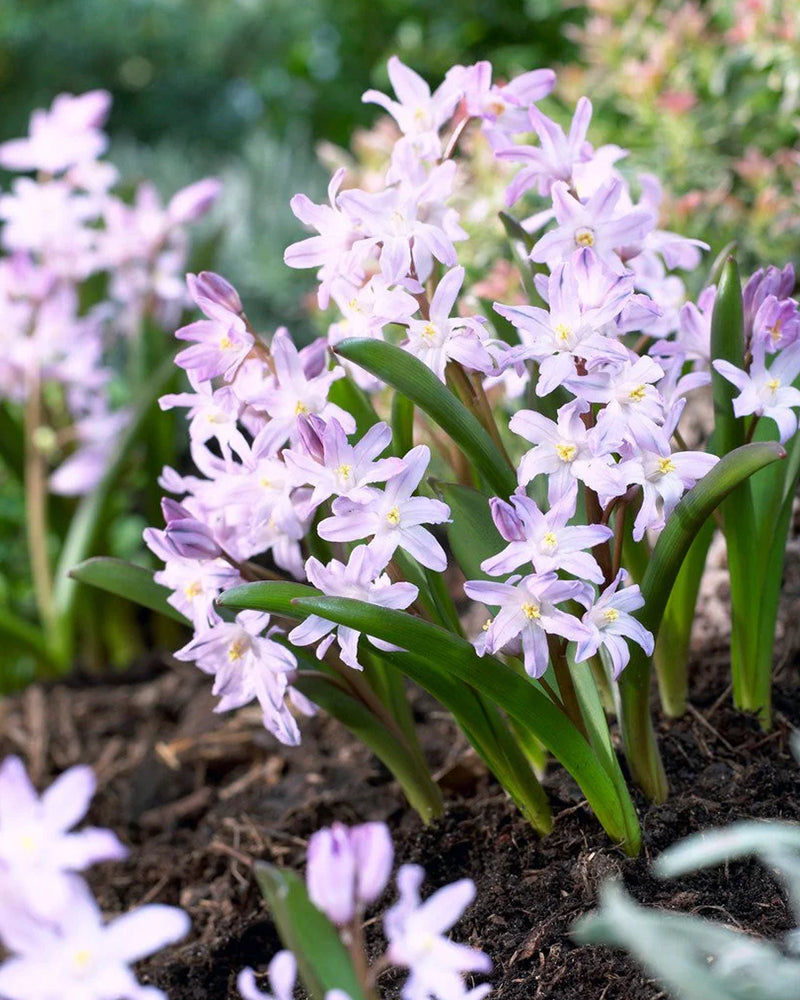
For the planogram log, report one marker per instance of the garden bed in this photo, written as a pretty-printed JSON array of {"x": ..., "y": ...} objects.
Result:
[{"x": 196, "y": 796}]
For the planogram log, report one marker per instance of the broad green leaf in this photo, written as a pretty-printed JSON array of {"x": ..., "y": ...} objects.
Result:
[
  {"x": 322, "y": 959},
  {"x": 125, "y": 579},
  {"x": 446, "y": 653},
  {"x": 24, "y": 633},
  {"x": 409, "y": 376}
]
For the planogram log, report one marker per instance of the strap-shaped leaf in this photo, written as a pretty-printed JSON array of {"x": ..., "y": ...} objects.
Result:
[
  {"x": 409, "y": 376},
  {"x": 471, "y": 531},
  {"x": 727, "y": 344},
  {"x": 322, "y": 959},
  {"x": 351, "y": 397},
  {"x": 125, "y": 579},
  {"x": 449, "y": 654},
  {"x": 656, "y": 585}
]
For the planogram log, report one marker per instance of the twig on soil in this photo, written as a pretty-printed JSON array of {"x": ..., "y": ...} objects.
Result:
[
  {"x": 704, "y": 722},
  {"x": 722, "y": 698}
]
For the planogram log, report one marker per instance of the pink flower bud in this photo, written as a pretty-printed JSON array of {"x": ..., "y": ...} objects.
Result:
[
  {"x": 374, "y": 853},
  {"x": 190, "y": 203},
  {"x": 311, "y": 428},
  {"x": 507, "y": 520},
  {"x": 331, "y": 873},
  {"x": 215, "y": 288},
  {"x": 314, "y": 358},
  {"x": 185, "y": 535}
]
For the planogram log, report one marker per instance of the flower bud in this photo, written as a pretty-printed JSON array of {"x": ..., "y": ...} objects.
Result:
[
  {"x": 331, "y": 873},
  {"x": 507, "y": 520},
  {"x": 311, "y": 428},
  {"x": 215, "y": 288},
  {"x": 185, "y": 535},
  {"x": 314, "y": 358},
  {"x": 373, "y": 850},
  {"x": 192, "y": 202}
]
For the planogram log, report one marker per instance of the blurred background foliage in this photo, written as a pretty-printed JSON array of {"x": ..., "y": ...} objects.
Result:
[{"x": 244, "y": 88}]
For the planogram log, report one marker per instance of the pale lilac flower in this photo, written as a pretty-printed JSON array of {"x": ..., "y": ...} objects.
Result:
[
  {"x": 546, "y": 541},
  {"x": 393, "y": 517},
  {"x": 418, "y": 113},
  {"x": 96, "y": 436},
  {"x": 555, "y": 157},
  {"x": 766, "y": 391},
  {"x": 348, "y": 869},
  {"x": 247, "y": 665},
  {"x": 634, "y": 408},
  {"x": 213, "y": 413},
  {"x": 610, "y": 623},
  {"x": 693, "y": 340},
  {"x": 528, "y": 610},
  {"x": 67, "y": 134},
  {"x": 195, "y": 583},
  {"x": 37, "y": 853},
  {"x": 282, "y": 973},
  {"x": 185, "y": 534},
  {"x": 760, "y": 286},
  {"x": 502, "y": 108},
  {"x": 336, "y": 467},
  {"x": 222, "y": 341},
  {"x": 298, "y": 388},
  {"x": 596, "y": 223},
  {"x": 555, "y": 337},
  {"x": 416, "y": 934},
  {"x": 83, "y": 958},
  {"x": 440, "y": 338},
  {"x": 396, "y": 219},
  {"x": 193, "y": 202},
  {"x": 339, "y": 248},
  {"x": 361, "y": 579},
  {"x": 564, "y": 450},
  {"x": 777, "y": 323}
]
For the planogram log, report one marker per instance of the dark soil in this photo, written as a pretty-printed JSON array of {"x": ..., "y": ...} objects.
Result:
[{"x": 198, "y": 796}]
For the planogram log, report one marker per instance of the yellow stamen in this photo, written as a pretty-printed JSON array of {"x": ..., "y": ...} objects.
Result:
[
  {"x": 393, "y": 517},
  {"x": 225, "y": 343},
  {"x": 344, "y": 471},
  {"x": 193, "y": 590},
  {"x": 637, "y": 394},
  {"x": 611, "y": 614},
  {"x": 531, "y": 611},
  {"x": 28, "y": 843},
  {"x": 550, "y": 540},
  {"x": 666, "y": 465},
  {"x": 81, "y": 959},
  {"x": 236, "y": 650},
  {"x": 300, "y": 408},
  {"x": 584, "y": 237},
  {"x": 486, "y": 625},
  {"x": 774, "y": 384},
  {"x": 566, "y": 452},
  {"x": 775, "y": 331},
  {"x": 429, "y": 331},
  {"x": 563, "y": 332},
  {"x": 266, "y": 483}
]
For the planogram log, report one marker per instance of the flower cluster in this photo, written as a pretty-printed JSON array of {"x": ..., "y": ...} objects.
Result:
[
  {"x": 60, "y": 948},
  {"x": 348, "y": 870},
  {"x": 60, "y": 228},
  {"x": 593, "y": 374}
]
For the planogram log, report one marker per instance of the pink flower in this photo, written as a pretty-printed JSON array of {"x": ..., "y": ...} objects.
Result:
[
  {"x": 348, "y": 868},
  {"x": 611, "y": 623},
  {"x": 416, "y": 934},
  {"x": 37, "y": 853}
]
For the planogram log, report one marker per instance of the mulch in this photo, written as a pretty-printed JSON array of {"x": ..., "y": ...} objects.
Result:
[{"x": 198, "y": 796}]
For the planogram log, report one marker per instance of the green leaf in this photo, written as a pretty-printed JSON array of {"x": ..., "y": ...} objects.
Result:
[
  {"x": 90, "y": 514},
  {"x": 345, "y": 393},
  {"x": 447, "y": 654},
  {"x": 410, "y": 771},
  {"x": 22, "y": 632},
  {"x": 471, "y": 532},
  {"x": 402, "y": 425},
  {"x": 656, "y": 585},
  {"x": 322, "y": 959},
  {"x": 409, "y": 376},
  {"x": 727, "y": 344},
  {"x": 12, "y": 447},
  {"x": 128, "y": 580}
]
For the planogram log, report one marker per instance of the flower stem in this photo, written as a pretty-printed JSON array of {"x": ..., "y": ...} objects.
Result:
[{"x": 36, "y": 507}]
